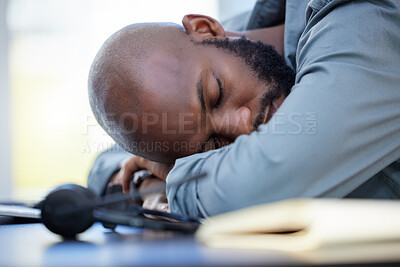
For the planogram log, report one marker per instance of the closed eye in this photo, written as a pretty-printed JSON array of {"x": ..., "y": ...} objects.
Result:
[{"x": 220, "y": 96}]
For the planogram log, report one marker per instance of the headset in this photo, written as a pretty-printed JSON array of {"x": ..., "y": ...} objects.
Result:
[{"x": 71, "y": 209}]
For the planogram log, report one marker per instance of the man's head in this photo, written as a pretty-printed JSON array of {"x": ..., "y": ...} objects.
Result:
[{"x": 163, "y": 91}]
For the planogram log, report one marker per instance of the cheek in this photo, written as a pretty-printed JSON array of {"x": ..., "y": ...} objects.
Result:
[
  {"x": 189, "y": 133},
  {"x": 246, "y": 94},
  {"x": 244, "y": 91}
]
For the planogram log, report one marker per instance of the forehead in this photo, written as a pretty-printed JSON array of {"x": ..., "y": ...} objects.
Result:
[
  {"x": 169, "y": 89},
  {"x": 165, "y": 72}
]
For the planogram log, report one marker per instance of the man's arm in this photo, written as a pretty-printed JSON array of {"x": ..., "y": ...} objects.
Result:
[
  {"x": 105, "y": 165},
  {"x": 117, "y": 166},
  {"x": 271, "y": 35},
  {"x": 338, "y": 127}
]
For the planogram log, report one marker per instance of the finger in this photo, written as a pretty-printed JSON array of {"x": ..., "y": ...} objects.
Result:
[
  {"x": 116, "y": 178},
  {"x": 125, "y": 176},
  {"x": 128, "y": 168},
  {"x": 113, "y": 179},
  {"x": 163, "y": 207}
]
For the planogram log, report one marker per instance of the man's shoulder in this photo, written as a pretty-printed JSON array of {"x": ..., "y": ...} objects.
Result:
[
  {"x": 349, "y": 32},
  {"x": 316, "y": 10}
]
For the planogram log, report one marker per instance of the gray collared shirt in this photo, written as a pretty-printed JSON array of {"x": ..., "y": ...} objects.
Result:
[{"x": 338, "y": 132}]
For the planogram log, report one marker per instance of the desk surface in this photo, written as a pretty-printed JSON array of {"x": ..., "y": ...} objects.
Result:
[{"x": 34, "y": 245}]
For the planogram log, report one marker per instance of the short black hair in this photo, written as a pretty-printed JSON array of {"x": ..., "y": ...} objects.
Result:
[{"x": 263, "y": 59}]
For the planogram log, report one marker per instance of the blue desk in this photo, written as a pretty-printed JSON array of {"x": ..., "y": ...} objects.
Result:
[{"x": 34, "y": 245}]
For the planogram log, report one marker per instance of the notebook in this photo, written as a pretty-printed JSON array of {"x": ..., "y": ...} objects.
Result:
[{"x": 304, "y": 225}]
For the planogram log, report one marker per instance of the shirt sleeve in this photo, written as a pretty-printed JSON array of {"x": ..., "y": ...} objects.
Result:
[
  {"x": 105, "y": 165},
  {"x": 338, "y": 128},
  {"x": 267, "y": 13}
]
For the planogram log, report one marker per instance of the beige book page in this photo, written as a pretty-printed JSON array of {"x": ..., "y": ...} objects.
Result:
[{"x": 304, "y": 225}]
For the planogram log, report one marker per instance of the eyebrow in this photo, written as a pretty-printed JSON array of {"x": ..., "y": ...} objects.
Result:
[{"x": 200, "y": 93}]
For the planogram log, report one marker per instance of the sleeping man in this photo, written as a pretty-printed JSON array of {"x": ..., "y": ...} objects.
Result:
[{"x": 193, "y": 99}]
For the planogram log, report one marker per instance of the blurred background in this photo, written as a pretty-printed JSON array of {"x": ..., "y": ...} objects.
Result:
[{"x": 48, "y": 134}]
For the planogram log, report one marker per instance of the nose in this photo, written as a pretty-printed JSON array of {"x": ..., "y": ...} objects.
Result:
[{"x": 233, "y": 123}]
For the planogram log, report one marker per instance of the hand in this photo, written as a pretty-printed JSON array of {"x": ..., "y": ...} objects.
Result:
[
  {"x": 135, "y": 163},
  {"x": 156, "y": 201}
]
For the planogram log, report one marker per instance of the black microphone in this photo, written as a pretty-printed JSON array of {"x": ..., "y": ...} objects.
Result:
[
  {"x": 71, "y": 209},
  {"x": 66, "y": 197}
]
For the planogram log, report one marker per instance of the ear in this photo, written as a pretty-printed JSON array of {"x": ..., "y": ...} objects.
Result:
[{"x": 201, "y": 27}]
